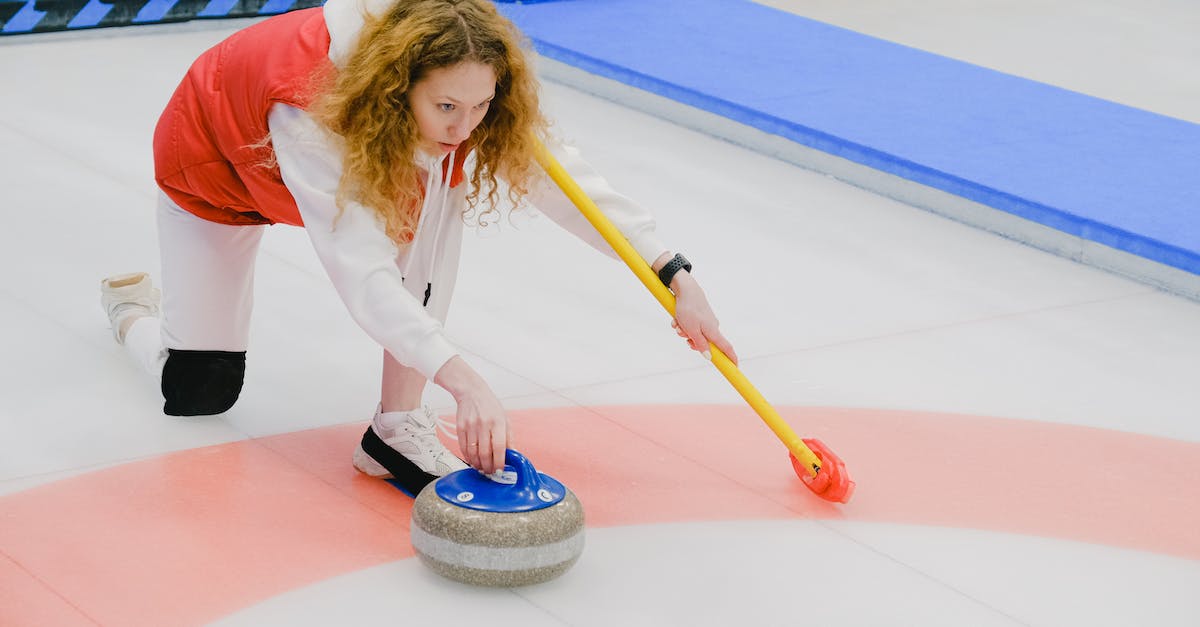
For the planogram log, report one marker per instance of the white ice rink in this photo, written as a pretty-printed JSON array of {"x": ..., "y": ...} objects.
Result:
[{"x": 844, "y": 306}]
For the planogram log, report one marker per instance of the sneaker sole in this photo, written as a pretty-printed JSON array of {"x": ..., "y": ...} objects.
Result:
[
  {"x": 368, "y": 466},
  {"x": 124, "y": 280}
]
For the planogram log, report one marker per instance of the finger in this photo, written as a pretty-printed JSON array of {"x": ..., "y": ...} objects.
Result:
[
  {"x": 498, "y": 451},
  {"x": 471, "y": 453},
  {"x": 718, "y": 339},
  {"x": 483, "y": 451},
  {"x": 697, "y": 340},
  {"x": 464, "y": 442},
  {"x": 471, "y": 446}
]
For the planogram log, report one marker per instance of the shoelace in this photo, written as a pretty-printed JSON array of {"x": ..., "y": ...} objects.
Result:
[{"x": 428, "y": 439}]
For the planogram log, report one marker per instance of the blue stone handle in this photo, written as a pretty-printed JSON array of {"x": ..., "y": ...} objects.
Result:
[{"x": 528, "y": 479}]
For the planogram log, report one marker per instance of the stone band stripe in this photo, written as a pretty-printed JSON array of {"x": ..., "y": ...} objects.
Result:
[{"x": 493, "y": 558}]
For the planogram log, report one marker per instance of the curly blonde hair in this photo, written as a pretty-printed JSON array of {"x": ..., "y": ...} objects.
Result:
[{"x": 366, "y": 104}]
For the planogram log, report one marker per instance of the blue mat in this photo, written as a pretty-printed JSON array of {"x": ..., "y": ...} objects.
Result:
[{"x": 1105, "y": 172}]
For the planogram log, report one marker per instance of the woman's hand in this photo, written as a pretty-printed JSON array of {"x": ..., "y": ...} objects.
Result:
[
  {"x": 694, "y": 319},
  {"x": 483, "y": 431}
]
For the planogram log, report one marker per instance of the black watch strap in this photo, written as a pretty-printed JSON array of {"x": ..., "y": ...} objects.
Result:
[{"x": 677, "y": 263}]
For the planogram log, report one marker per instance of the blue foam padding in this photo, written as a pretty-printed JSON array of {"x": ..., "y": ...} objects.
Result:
[
  {"x": 154, "y": 11},
  {"x": 38, "y": 16},
  {"x": 90, "y": 14},
  {"x": 1105, "y": 172},
  {"x": 23, "y": 20},
  {"x": 217, "y": 8}
]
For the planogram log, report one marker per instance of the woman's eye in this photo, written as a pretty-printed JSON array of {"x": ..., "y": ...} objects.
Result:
[
  {"x": 483, "y": 105},
  {"x": 446, "y": 107}
]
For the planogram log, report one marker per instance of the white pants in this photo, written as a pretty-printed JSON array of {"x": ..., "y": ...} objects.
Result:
[{"x": 207, "y": 287}]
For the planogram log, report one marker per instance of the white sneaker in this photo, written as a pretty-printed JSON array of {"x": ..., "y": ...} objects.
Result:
[
  {"x": 404, "y": 446},
  {"x": 126, "y": 295}
]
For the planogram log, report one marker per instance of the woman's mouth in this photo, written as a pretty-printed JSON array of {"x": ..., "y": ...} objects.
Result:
[{"x": 448, "y": 147}]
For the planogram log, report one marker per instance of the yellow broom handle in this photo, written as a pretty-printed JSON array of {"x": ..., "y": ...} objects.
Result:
[{"x": 665, "y": 298}]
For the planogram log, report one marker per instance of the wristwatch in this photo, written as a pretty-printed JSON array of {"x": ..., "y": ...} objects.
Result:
[{"x": 677, "y": 263}]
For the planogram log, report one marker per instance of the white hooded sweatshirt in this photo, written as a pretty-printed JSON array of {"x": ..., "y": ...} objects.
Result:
[{"x": 400, "y": 297}]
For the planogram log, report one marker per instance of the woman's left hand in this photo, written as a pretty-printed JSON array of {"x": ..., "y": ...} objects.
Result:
[{"x": 694, "y": 318}]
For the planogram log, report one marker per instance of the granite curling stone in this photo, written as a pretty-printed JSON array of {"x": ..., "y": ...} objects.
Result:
[{"x": 518, "y": 529}]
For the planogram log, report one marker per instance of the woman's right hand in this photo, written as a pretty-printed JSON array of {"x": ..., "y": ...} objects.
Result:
[{"x": 483, "y": 432}]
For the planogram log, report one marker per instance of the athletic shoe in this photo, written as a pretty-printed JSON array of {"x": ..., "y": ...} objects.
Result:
[
  {"x": 126, "y": 295},
  {"x": 404, "y": 446}
]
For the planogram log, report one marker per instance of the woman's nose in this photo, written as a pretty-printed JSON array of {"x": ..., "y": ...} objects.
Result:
[{"x": 460, "y": 128}]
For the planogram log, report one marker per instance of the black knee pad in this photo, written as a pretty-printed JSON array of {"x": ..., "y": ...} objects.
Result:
[{"x": 201, "y": 383}]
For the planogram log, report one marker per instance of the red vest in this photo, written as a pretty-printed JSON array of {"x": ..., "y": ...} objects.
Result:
[
  {"x": 203, "y": 159},
  {"x": 202, "y": 155}
]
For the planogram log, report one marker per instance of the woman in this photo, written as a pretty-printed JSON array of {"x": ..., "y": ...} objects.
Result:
[{"x": 380, "y": 126}]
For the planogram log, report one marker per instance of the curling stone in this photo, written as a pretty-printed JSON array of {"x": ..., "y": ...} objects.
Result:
[{"x": 516, "y": 527}]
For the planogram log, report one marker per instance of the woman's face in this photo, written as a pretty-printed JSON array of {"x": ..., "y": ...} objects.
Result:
[{"x": 448, "y": 103}]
